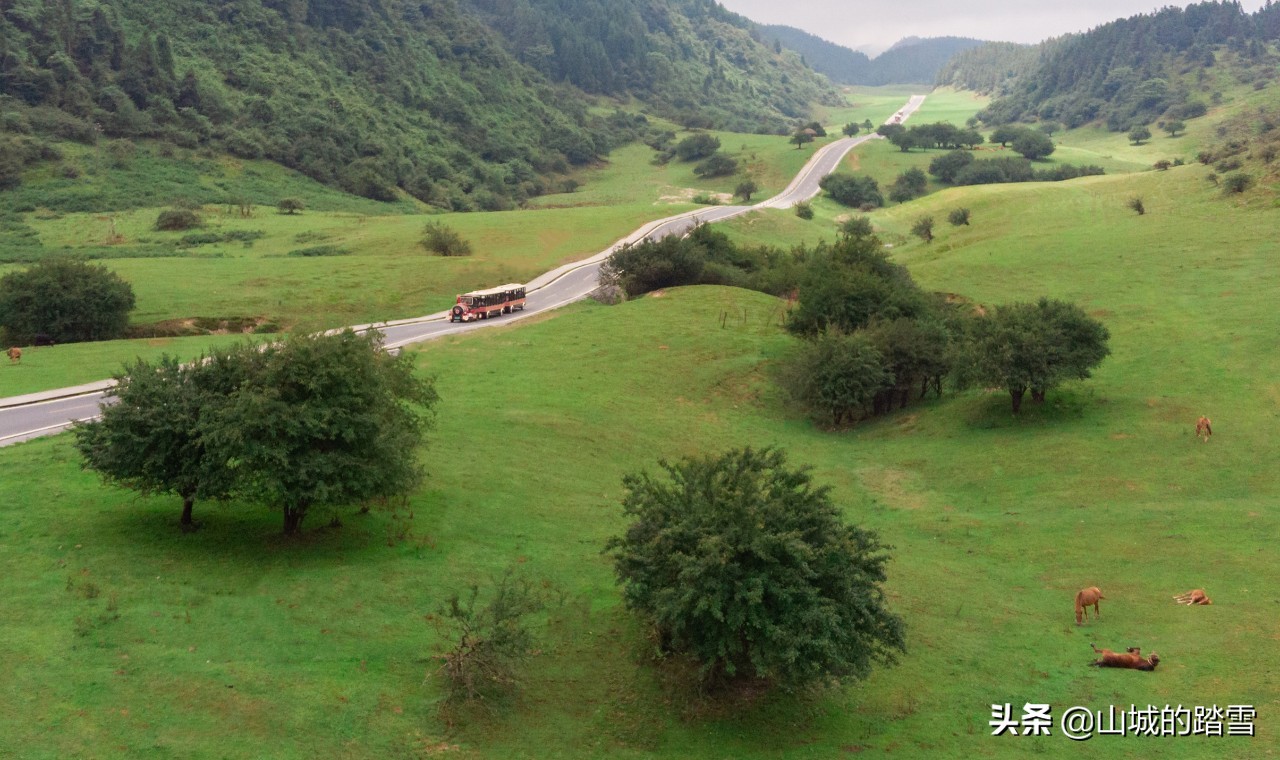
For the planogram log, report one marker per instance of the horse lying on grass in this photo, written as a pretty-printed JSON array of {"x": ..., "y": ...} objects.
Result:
[
  {"x": 1193, "y": 597},
  {"x": 1131, "y": 658}
]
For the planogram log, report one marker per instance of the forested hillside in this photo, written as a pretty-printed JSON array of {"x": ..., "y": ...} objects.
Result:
[
  {"x": 378, "y": 96},
  {"x": 1133, "y": 71},
  {"x": 691, "y": 60},
  {"x": 993, "y": 68},
  {"x": 911, "y": 61}
]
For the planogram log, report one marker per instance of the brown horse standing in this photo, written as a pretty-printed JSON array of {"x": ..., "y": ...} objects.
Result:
[
  {"x": 15, "y": 355},
  {"x": 1204, "y": 428},
  {"x": 1084, "y": 598}
]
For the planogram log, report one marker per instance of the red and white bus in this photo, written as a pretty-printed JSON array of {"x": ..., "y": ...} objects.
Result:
[{"x": 482, "y": 304}]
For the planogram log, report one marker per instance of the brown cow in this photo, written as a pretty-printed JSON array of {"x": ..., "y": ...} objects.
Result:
[
  {"x": 1204, "y": 428},
  {"x": 1193, "y": 597},
  {"x": 15, "y": 355},
  {"x": 1084, "y": 598},
  {"x": 1132, "y": 659}
]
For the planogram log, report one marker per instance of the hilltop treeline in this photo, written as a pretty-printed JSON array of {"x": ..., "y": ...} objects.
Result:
[
  {"x": 1133, "y": 71},
  {"x": 690, "y": 60},
  {"x": 910, "y": 62},
  {"x": 378, "y": 97}
]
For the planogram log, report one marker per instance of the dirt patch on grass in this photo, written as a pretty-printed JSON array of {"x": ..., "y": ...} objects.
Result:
[
  {"x": 898, "y": 488},
  {"x": 687, "y": 194},
  {"x": 1100, "y": 313}
]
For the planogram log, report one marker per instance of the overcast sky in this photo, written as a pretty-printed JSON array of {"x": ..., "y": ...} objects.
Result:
[{"x": 876, "y": 25}]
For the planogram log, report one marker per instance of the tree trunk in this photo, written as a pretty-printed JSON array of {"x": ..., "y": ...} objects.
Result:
[
  {"x": 293, "y": 520},
  {"x": 1037, "y": 395},
  {"x": 188, "y": 503},
  {"x": 1016, "y": 397}
]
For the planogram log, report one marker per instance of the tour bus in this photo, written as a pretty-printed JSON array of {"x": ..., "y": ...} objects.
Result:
[{"x": 482, "y": 304}]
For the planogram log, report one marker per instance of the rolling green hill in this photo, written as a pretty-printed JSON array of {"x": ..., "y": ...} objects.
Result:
[{"x": 385, "y": 99}]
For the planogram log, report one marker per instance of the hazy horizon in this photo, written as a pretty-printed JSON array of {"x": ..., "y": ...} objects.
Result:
[{"x": 863, "y": 25}]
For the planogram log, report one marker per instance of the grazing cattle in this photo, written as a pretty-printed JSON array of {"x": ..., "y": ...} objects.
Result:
[
  {"x": 1204, "y": 428},
  {"x": 15, "y": 355},
  {"x": 42, "y": 339},
  {"x": 1193, "y": 597},
  {"x": 1132, "y": 658},
  {"x": 1086, "y": 597}
]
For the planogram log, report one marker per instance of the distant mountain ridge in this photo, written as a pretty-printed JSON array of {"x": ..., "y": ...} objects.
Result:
[{"x": 911, "y": 60}]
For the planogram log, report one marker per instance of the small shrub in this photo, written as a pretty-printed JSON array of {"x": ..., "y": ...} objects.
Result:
[
  {"x": 706, "y": 200},
  {"x": 1135, "y": 204},
  {"x": 959, "y": 217},
  {"x": 1179, "y": 162},
  {"x": 443, "y": 240},
  {"x": 70, "y": 171},
  {"x": 487, "y": 641},
  {"x": 320, "y": 250},
  {"x": 1163, "y": 165},
  {"x": 1237, "y": 183},
  {"x": 177, "y": 219},
  {"x": 1228, "y": 165},
  {"x": 290, "y": 205},
  {"x": 923, "y": 229},
  {"x": 804, "y": 210},
  {"x": 1212, "y": 178}
]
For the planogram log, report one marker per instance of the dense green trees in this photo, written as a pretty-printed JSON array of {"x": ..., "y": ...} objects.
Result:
[
  {"x": 909, "y": 185},
  {"x": 67, "y": 299},
  {"x": 718, "y": 165},
  {"x": 697, "y": 146},
  {"x": 741, "y": 563},
  {"x": 313, "y": 421},
  {"x": 386, "y": 97},
  {"x": 851, "y": 190},
  {"x": 837, "y": 376},
  {"x": 1036, "y": 346}
]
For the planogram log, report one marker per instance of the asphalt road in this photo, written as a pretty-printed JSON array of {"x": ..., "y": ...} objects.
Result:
[{"x": 26, "y": 417}]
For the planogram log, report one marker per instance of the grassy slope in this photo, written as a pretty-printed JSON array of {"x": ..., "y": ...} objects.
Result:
[{"x": 318, "y": 647}]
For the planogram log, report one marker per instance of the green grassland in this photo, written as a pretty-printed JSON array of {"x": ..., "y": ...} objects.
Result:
[
  {"x": 64, "y": 366},
  {"x": 383, "y": 274},
  {"x": 152, "y": 642}
]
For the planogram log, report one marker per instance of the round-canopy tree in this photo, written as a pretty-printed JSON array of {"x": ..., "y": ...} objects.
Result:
[
  {"x": 65, "y": 299},
  {"x": 743, "y": 564},
  {"x": 1036, "y": 346}
]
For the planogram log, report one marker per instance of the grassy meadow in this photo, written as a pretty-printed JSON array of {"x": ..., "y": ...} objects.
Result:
[{"x": 149, "y": 642}]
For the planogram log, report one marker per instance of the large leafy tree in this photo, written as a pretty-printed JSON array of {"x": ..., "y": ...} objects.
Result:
[
  {"x": 68, "y": 300},
  {"x": 849, "y": 284},
  {"x": 838, "y": 377},
  {"x": 323, "y": 420},
  {"x": 742, "y": 563},
  {"x": 852, "y": 190},
  {"x": 150, "y": 436},
  {"x": 1037, "y": 346}
]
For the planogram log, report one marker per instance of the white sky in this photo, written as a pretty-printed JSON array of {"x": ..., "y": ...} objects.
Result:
[{"x": 875, "y": 25}]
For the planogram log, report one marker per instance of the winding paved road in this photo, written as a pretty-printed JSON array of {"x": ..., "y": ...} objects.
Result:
[{"x": 37, "y": 414}]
